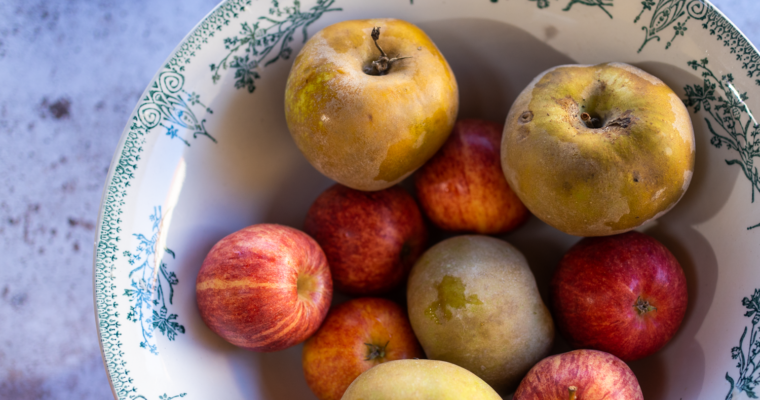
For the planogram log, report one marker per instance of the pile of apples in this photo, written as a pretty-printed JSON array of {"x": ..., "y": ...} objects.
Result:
[{"x": 580, "y": 150}]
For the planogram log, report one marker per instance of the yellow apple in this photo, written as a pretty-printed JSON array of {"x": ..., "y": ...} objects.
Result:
[
  {"x": 597, "y": 150},
  {"x": 369, "y": 101},
  {"x": 418, "y": 380}
]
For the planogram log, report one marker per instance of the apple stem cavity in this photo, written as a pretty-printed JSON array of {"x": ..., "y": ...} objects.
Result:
[
  {"x": 375, "y": 351},
  {"x": 382, "y": 64},
  {"x": 572, "y": 390},
  {"x": 643, "y": 306}
]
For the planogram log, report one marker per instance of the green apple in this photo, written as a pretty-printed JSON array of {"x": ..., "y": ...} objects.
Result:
[
  {"x": 369, "y": 101},
  {"x": 418, "y": 380},
  {"x": 473, "y": 301},
  {"x": 597, "y": 150}
]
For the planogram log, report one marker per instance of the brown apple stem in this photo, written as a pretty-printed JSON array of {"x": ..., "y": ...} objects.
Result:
[
  {"x": 375, "y": 351},
  {"x": 572, "y": 390},
  {"x": 591, "y": 122},
  {"x": 382, "y": 64},
  {"x": 643, "y": 306}
]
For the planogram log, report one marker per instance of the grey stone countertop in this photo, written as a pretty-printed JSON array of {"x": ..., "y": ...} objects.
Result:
[{"x": 72, "y": 71}]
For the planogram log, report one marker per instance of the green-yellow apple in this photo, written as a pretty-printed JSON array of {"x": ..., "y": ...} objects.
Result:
[
  {"x": 473, "y": 301},
  {"x": 597, "y": 150},
  {"x": 419, "y": 380},
  {"x": 369, "y": 101},
  {"x": 356, "y": 336},
  {"x": 580, "y": 375}
]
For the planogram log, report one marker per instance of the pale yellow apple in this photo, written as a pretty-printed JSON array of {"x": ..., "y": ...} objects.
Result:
[
  {"x": 364, "y": 130},
  {"x": 598, "y": 150},
  {"x": 418, "y": 380},
  {"x": 473, "y": 301}
]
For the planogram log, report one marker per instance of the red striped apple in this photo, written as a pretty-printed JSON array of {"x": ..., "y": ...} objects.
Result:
[
  {"x": 623, "y": 294},
  {"x": 462, "y": 188},
  {"x": 371, "y": 239},
  {"x": 356, "y": 336},
  {"x": 265, "y": 287},
  {"x": 581, "y": 375}
]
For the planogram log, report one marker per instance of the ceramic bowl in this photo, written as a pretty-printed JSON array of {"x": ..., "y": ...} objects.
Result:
[{"x": 206, "y": 152}]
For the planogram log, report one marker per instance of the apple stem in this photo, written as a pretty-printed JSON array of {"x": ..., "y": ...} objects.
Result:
[
  {"x": 572, "y": 390},
  {"x": 383, "y": 63},
  {"x": 643, "y": 306},
  {"x": 375, "y": 351}
]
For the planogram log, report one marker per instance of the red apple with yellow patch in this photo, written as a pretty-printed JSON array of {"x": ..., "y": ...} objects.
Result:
[
  {"x": 356, "y": 336},
  {"x": 371, "y": 239},
  {"x": 462, "y": 188},
  {"x": 580, "y": 375},
  {"x": 264, "y": 288}
]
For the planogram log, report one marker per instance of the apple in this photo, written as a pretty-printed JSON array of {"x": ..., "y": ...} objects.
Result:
[
  {"x": 364, "y": 127},
  {"x": 264, "y": 288},
  {"x": 582, "y": 375},
  {"x": 419, "y": 380},
  {"x": 462, "y": 188},
  {"x": 356, "y": 336},
  {"x": 596, "y": 150},
  {"x": 473, "y": 301},
  {"x": 623, "y": 294},
  {"x": 371, "y": 239}
]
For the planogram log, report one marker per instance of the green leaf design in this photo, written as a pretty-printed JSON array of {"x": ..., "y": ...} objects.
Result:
[
  {"x": 729, "y": 119},
  {"x": 267, "y": 39}
]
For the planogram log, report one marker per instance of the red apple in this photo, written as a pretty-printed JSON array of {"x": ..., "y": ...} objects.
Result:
[
  {"x": 623, "y": 294},
  {"x": 462, "y": 188},
  {"x": 265, "y": 287},
  {"x": 371, "y": 239},
  {"x": 356, "y": 336},
  {"x": 581, "y": 375}
]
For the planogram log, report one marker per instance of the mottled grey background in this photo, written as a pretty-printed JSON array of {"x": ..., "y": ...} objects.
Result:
[{"x": 70, "y": 74}]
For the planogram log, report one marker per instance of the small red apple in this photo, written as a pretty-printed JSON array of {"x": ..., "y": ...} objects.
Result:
[
  {"x": 356, "y": 336},
  {"x": 462, "y": 188},
  {"x": 581, "y": 375},
  {"x": 371, "y": 239},
  {"x": 265, "y": 287},
  {"x": 623, "y": 294}
]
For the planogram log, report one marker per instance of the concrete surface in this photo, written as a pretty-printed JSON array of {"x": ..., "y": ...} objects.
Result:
[{"x": 71, "y": 73}]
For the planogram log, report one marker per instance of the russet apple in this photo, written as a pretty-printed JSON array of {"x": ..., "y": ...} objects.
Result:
[
  {"x": 371, "y": 239},
  {"x": 581, "y": 375},
  {"x": 623, "y": 294},
  {"x": 462, "y": 188},
  {"x": 356, "y": 336},
  {"x": 369, "y": 101},
  {"x": 598, "y": 150},
  {"x": 473, "y": 301},
  {"x": 419, "y": 380},
  {"x": 264, "y": 288}
]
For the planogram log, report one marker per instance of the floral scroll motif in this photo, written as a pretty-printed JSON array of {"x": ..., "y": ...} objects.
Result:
[
  {"x": 167, "y": 104},
  {"x": 668, "y": 12},
  {"x": 593, "y": 3},
  {"x": 747, "y": 354},
  {"x": 269, "y": 35},
  {"x": 152, "y": 285},
  {"x": 730, "y": 121}
]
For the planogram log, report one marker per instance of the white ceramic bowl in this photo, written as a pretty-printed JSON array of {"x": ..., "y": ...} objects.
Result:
[{"x": 206, "y": 152}]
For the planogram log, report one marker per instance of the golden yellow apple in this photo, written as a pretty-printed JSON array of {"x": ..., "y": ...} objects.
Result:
[
  {"x": 596, "y": 150},
  {"x": 418, "y": 380},
  {"x": 369, "y": 101}
]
